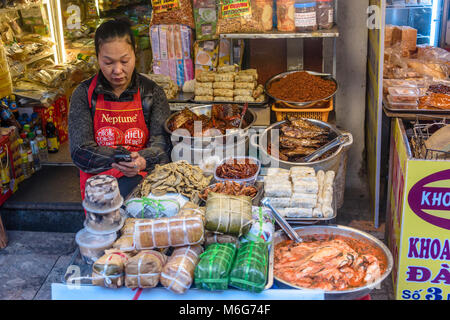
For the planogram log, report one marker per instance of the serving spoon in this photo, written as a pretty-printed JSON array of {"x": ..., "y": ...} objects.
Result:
[{"x": 282, "y": 222}]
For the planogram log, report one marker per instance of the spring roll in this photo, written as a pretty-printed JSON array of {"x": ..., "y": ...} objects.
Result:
[
  {"x": 208, "y": 85},
  {"x": 245, "y": 85},
  {"x": 258, "y": 91},
  {"x": 223, "y": 85},
  {"x": 224, "y": 99},
  {"x": 205, "y": 77},
  {"x": 203, "y": 91},
  {"x": 243, "y": 99},
  {"x": 245, "y": 78},
  {"x": 227, "y": 68},
  {"x": 223, "y": 93},
  {"x": 243, "y": 92},
  {"x": 224, "y": 77}
]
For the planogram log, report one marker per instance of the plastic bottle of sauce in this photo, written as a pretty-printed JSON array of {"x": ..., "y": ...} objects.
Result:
[
  {"x": 42, "y": 145},
  {"x": 26, "y": 168},
  {"x": 35, "y": 151},
  {"x": 52, "y": 138}
]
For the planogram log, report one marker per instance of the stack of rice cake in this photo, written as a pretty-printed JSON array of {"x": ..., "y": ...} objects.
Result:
[{"x": 300, "y": 192}]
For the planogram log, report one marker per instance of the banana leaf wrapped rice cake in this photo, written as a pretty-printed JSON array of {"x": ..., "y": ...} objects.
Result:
[
  {"x": 228, "y": 214},
  {"x": 214, "y": 266},
  {"x": 249, "y": 270}
]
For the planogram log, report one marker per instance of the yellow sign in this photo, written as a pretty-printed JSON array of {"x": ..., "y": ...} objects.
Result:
[{"x": 419, "y": 211}]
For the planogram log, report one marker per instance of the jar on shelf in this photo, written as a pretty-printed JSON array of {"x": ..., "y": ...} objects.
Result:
[
  {"x": 285, "y": 15},
  {"x": 306, "y": 17},
  {"x": 325, "y": 14}
]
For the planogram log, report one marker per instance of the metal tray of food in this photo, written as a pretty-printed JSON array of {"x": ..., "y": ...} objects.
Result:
[
  {"x": 300, "y": 105},
  {"x": 416, "y": 110},
  {"x": 349, "y": 294}
]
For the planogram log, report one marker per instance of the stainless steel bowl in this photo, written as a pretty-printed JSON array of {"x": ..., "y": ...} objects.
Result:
[
  {"x": 219, "y": 140},
  {"x": 304, "y": 104},
  {"x": 350, "y": 294}
]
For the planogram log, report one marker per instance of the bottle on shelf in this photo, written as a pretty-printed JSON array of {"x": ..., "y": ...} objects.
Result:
[
  {"x": 26, "y": 168},
  {"x": 52, "y": 138},
  {"x": 35, "y": 151},
  {"x": 27, "y": 146},
  {"x": 42, "y": 145},
  {"x": 7, "y": 115},
  {"x": 13, "y": 106}
]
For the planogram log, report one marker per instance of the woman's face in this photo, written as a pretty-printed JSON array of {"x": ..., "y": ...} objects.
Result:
[{"x": 117, "y": 60}]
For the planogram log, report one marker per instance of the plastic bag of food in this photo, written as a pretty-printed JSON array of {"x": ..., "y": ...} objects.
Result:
[
  {"x": 285, "y": 15},
  {"x": 178, "y": 273},
  {"x": 214, "y": 267},
  {"x": 262, "y": 229},
  {"x": 144, "y": 269},
  {"x": 228, "y": 214},
  {"x": 205, "y": 15},
  {"x": 108, "y": 271},
  {"x": 172, "y": 12},
  {"x": 249, "y": 270},
  {"x": 244, "y": 16},
  {"x": 168, "y": 232}
]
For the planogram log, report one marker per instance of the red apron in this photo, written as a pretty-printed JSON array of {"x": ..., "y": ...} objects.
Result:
[{"x": 117, "y": 124}]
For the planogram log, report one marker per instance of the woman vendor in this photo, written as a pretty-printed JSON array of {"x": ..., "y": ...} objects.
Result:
[{"x": 118, "y": 112}]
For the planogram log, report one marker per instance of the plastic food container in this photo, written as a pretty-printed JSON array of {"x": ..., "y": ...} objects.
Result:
[
  {"x": 250, "y": 180},
  {"x": 92, "y": 246},
  {"x": 102, "y": 194},
  {"x": 104, "y": 223},
  {"x": 403, "y": 94},
  {"x": 402, "y": 105}
]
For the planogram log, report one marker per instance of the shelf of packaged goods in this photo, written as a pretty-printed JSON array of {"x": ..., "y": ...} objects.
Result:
[
  {"x": 37, "y": 58},
  {"x": 20, "y": 7},
  {"x": 274, "y": 34}
]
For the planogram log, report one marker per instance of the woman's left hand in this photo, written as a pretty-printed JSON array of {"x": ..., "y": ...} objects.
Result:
[{"x": 130, "y": 169}]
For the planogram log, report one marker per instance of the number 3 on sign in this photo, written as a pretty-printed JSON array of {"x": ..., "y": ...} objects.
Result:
[
  {"x": 434, "y": 294},
  {"x": 74, "y": 19}
]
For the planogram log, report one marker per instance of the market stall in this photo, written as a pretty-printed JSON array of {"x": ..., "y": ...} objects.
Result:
[{"x": 224, "y": 215}]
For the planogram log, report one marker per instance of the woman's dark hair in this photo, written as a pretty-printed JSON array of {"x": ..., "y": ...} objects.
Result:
[{"x": 112, "y": 29}]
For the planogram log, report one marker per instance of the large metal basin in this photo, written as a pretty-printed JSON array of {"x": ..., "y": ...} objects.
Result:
[
  {"x": 336, "y": 162},
  {"x": 216, "y": 140},
  {"x": 296, "y": 104},
  {"x": 350, "y": 294}
]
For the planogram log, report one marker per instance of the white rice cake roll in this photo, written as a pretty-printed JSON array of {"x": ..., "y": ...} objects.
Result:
[
  {"x": 329, "y": 177},
  {"x": 296, "y": 212},
  {"x": 280, "y": 202},
  {"x": 245, "y": 85},
  {"x": 201, "y": 91},
  {"x": 305, "y": 178},
  {"x": 305, "y": 186},
  {"x": 305, "y": 195},
  {"x": 327, "y": 211},
  {"x": 278, "y": 190},
  {"x": 224, "y": 77},
  {"x": 308, "y": 203},
  {"x": 320, "y": 180},
  {"x": 295, "y": 170},
  {"x": 276, "y": 179},
  {"x": 317, "y": 212},
  {"x": 276, "y": 171},
  {"x": 327, "y": 196}
]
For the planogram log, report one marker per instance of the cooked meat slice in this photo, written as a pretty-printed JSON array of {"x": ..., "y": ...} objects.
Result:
[{"x": 291, "y": 143}]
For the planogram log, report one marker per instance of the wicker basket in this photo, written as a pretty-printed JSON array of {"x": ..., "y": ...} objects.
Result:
[{"x": 310, "y": 113}]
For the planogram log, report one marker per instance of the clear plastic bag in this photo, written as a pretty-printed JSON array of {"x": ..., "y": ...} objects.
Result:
[
  {"x": 173, "y": 12},
  {"x": 242, "y": 16},
  {"x": 178, "y": 273},
  {"x": 169, "y": 232}
]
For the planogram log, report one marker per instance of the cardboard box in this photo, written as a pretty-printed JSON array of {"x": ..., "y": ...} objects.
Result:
[
  {"x": 388, "y": 35},
  {"x": 407, "y": 37},
  {"x": 418, "y": 221}
]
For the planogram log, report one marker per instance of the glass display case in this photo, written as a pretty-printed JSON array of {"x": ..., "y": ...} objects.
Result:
[{"x": 423, "y": 15}]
